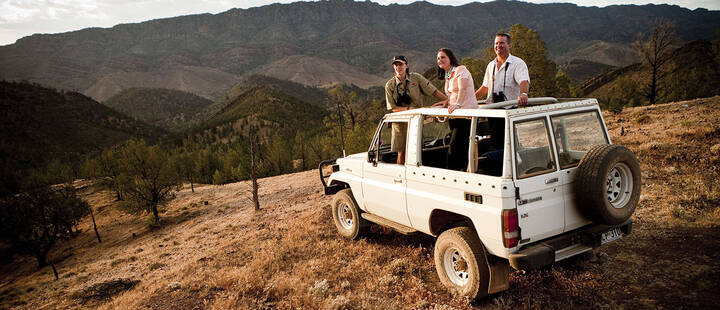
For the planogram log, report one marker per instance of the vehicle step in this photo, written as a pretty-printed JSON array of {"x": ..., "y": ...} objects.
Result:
[
  {"x": 405, "y": 230},
  {"x": 571, "y": 251}
]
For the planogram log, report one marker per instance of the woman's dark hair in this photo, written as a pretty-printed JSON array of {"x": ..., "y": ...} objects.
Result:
[{"x": 453, "y": 62}]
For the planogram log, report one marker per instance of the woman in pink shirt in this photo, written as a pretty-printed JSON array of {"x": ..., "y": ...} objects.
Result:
[
  {"x": 460, "y": 91},
  {"x": 459, "y": 85}
]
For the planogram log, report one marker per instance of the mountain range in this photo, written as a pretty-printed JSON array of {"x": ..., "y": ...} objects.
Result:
[{"x": 322, "y": 43}]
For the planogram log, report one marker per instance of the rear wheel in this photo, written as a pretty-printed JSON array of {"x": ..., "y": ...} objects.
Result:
[
  {"x": 461, "y": 263},
  {"x": 346, "y": 215}
]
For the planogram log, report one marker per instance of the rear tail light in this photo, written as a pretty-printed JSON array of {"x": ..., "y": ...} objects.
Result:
[{"x": 511, "y": 230}]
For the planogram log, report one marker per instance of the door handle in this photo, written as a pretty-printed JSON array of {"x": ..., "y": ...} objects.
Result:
[
  {"x": 553, "y": 180},
  {"x": 397, "y": 180}
]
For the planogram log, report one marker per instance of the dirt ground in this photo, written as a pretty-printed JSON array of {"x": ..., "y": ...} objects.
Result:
[{"x": 214, "y": 251}]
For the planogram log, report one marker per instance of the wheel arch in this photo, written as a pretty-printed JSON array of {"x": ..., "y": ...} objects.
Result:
[
  {"x": 336, "y": 186},
  {"x": 442, "y": 220}
]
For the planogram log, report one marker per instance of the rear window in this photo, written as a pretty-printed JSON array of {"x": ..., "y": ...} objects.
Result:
[
  {"x": 575, "y": 134},
  {"x": 533, "y": 155}
]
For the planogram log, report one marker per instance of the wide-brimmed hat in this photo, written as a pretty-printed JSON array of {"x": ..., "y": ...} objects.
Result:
[{"x": 399, "y": 58}]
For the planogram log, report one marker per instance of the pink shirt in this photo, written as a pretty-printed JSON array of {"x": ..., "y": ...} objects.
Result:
[{"x": 460, "y": 89}]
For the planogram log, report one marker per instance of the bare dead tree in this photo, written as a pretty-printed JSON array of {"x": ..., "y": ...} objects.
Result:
[
  {"x": 97, "y": 234},
  {"x": 253, "y": 170},
  {"x": 55, "y": 272},
  {"x": 656, "y": 49}
]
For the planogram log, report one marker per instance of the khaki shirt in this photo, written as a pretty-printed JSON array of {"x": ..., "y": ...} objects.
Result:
[{"x": 417, "y": 86}]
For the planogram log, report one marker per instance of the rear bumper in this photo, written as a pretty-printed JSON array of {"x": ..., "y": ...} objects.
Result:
[{"x": 549, "y": 251}]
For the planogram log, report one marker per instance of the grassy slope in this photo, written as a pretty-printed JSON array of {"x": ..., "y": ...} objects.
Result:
[{"x": 225, "y": 255}]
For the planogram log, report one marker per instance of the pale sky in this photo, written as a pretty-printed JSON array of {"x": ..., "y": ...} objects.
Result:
[{"x": 19, "y": 18}]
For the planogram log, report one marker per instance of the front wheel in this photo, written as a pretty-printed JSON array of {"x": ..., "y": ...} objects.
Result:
[
  {"x": 461, "y": 263},
  {"x": 346, "y": 215}
]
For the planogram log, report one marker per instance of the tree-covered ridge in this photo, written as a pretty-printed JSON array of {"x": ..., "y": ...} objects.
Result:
[
  {"x": 312, "y": 95},
  {"x": 166, "y": 108},
  {"x": 40, "y": 124},
  {"x": 267, "y": 109}
]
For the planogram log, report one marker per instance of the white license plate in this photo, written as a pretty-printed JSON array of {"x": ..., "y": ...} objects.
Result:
[{"x": 611, "y": 235}]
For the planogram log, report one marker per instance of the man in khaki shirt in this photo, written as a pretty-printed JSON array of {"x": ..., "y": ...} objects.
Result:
[{"x": 403, "y": 92}]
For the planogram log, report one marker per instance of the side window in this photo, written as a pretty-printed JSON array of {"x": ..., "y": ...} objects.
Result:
[
  {"x": 436, "y": 142},
  {"x": 445, "y": 142},
  {"x": 533, "y": 155},
  {"x": 490, "y": 137},
  {"x": 575, "y": 134},
  {"x": 393, "y": 139}
]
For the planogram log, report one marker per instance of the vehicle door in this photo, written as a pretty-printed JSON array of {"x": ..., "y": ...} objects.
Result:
[
  {"x": 575, "y": 133},
  {"x": 383, "y": 182},
  {"x": 540, "y": 203}
]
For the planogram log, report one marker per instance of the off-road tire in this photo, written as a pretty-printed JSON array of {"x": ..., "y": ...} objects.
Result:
[
  {"x": 346, "y": 215},
  {"x": 461, "y": 263},
  {"x": 607, "y": 184}
]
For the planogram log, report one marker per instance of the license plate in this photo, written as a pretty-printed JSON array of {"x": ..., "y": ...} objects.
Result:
[{"x": 611, "y": 235}]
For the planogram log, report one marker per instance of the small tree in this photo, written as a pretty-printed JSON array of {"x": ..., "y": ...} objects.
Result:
[
  {"x": 205, "y": 164},
  {"x": 34, "y": 220},
  {"x": 656, "y": 50},
  {"x": 150, "y": 179},
  {"x": 185, "y": 167},
  {"x": 625, "y": 90},
  {"x": 564, "y": 87},
  {"x": 106, "y": 169},
  {"x": 252, "y": 163},
  {"x": 346, "y": 103},
  {"x": 300, "y": 149},
  {"x": 278, "y": 154}
]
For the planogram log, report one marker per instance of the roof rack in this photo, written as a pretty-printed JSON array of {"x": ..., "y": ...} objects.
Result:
[{"x": 531, "y": 102}]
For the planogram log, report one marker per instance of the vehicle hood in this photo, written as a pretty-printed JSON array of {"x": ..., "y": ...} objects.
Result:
[{"x": 359, "y": 157}]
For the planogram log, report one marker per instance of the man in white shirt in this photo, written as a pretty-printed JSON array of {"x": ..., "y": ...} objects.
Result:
[{"x": 506, "y": 77}]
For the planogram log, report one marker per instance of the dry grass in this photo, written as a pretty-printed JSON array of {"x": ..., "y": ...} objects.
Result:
[{"x": 287, "y": 255}]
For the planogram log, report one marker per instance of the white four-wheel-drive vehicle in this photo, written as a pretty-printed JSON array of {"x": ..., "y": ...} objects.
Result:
[{"x": 542, "y": 183}]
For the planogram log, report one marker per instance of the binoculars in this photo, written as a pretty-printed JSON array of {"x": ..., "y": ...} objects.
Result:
[{"x": 499, "y": 97}]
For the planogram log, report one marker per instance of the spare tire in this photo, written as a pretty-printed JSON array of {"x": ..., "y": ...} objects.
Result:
[{"x": 607, "y": 184}]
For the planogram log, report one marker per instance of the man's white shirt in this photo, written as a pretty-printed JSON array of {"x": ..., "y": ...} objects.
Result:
[{"x": 507, "y": 78}]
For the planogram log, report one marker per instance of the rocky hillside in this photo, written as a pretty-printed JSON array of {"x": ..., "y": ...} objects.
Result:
[
  {"x": 214, "y": 251},
  {"x": 206, "y": 54},
  {"x": 318, "y": 72}
]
